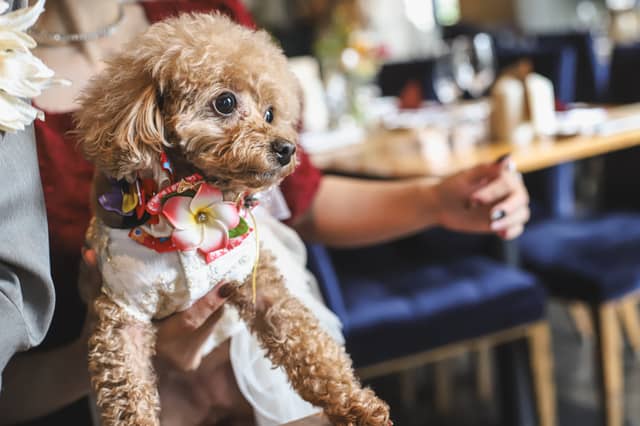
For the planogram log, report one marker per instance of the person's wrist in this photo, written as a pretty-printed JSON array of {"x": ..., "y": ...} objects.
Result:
[{"x": 431, "y": 211}]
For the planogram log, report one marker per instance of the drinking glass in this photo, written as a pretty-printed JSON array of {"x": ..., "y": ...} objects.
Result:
[
  {"x": 444, "y": 80},
  {"x": 474, "y": 63}
]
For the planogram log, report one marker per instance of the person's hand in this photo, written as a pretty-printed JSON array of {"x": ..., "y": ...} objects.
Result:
[
  {"x": 180, "y": 337},
  {"x": 486, "y": 198}
]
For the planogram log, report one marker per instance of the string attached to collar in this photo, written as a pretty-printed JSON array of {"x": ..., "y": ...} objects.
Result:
[
  {"x": 249, "y": 201},
  {"x": 254, "y": 273}
]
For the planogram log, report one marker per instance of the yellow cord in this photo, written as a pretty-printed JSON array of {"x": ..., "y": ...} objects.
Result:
[{"x": 257, "y": 260}]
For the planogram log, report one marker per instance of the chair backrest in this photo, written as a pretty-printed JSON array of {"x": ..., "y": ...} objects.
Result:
[
  {"x": 320, "y": 264},
  {"x": 552, "y": 192},
  {"x": 591, "y": 74},
  {"x": 621, "y": 175},
  {"x": 623, "y": 76}
]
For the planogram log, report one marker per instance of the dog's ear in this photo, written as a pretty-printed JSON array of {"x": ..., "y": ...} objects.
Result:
[{"x": 119, "y": 125}]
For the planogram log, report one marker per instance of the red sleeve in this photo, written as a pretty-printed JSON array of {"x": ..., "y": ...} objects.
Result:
[
  {"x": 66, "y": 180},
  {"x": 300, "y": 187},
  {"x": 159, "y": 10}
]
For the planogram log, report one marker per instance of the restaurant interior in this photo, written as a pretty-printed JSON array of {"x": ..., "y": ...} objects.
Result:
[{"x": 458, "y": 329}]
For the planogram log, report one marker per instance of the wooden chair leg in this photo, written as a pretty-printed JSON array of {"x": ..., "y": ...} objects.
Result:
[
  {"x": 541, "y": 358},
  {"x": 408, "y": 387},
  {"x": 610, "y": 363},
  {"x": 484, "y": 377},
  {"x": 582, "y": 319},
  {"x": 628, "y": 311},
  {"x": 443, "y": 387}
]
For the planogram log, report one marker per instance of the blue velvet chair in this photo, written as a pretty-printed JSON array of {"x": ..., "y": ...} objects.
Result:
[
  {"x": 595, "y": 261},
  {"x": 592, "y": 77},
  {"x": 621, "y": 176},
  {"x": 402, "y": 308},
  {"x": 623, "y": 79}
]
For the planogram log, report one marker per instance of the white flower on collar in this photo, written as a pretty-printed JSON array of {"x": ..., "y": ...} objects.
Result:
[{"x": 22, "y": 75}]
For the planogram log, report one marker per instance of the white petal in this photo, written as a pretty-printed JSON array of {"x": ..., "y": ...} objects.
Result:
[
  {"x": 176, "y": 211},
  {"x": 3, "y": 6},
  {"x": 215, "y": 237},
  {"x": 15, "y": 114},
  {"x": 22, "y": 74},
  {"x": 15, "y": 40},
  {"x": 205, "y": 197},
  {"x": 188, "y": 239},
  {"x": 22, "y": 19},
  {"x": 227, "y": 213}
]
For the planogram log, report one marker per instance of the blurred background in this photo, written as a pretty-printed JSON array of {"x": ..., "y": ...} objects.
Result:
[{"x": 402, "y": 88}]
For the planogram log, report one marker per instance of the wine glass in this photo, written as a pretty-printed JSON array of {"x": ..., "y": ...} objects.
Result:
[
  {"x": 445, "y": 85},
  {"x": 474, "y": 63}
]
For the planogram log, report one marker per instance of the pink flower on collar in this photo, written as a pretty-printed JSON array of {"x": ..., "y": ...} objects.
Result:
[{"x": 201, "y": 222}]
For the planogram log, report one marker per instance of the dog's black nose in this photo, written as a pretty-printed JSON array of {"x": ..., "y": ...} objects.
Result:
[{"x": 284, "y": 150}]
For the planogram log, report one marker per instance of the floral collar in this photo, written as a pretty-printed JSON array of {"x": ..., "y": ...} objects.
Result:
[{"x": 187, "y": 215}]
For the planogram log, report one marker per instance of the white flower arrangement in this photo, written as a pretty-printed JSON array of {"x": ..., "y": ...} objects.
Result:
[{"x": 22, "y": 75}]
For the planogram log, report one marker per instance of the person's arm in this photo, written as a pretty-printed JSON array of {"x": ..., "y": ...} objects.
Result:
[
  {"x": 354, "y": 212},
  {"x": 26, "y": 290}
]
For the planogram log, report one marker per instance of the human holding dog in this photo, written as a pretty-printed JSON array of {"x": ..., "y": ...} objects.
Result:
[{"x": 465, "y": 202}]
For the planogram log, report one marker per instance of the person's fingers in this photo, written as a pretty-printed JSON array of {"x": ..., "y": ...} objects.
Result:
[
  {"x": 511, "y": 233},
  {"x": 181, "y": 337},
  {"x": 190, "y": 356},
  {"x": 493, "y": 192},
  {"x": 513, "y": 202},
  {"x": 518, "y": 217},
  {"x": 89, "y": 256},
  {"x": 206, "y": 328},
  {"x": 196, "y": 315},
  {"x": 89, "y": 278}
]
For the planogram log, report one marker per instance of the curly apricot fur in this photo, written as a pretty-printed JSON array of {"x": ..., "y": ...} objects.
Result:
[{"x": 120, "y": 367}]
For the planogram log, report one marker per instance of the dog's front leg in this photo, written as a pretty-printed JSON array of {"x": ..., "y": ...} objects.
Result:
[
  {"x": 317, "y": 367},
  {"x": 121, "y": 349}
]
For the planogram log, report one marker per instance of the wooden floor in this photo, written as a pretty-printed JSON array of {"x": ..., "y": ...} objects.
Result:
[{"x": 577, "y": 398}]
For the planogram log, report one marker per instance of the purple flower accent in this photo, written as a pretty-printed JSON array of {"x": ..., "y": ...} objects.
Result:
[{"x": 111, "y": 200}]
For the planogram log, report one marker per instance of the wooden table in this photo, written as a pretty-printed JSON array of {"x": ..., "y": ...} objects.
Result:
[
  {"x": 400, "y": 153},
  {"x": 317, "y": 420}
]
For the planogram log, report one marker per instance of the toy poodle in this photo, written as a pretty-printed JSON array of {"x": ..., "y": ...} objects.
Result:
[{"x": 185, "y": 126}]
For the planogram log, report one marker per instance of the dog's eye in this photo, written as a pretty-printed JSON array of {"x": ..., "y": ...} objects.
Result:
[
  {"x": 225, "y": 104},
  {"x": 268, "y": 115}
]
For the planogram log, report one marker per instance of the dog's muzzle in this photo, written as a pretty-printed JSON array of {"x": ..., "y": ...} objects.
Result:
[{"x": 284, "y": 150}]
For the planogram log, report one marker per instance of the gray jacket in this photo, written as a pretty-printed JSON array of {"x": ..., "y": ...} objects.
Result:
[{"x": 26, "y": 290}]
